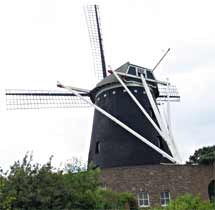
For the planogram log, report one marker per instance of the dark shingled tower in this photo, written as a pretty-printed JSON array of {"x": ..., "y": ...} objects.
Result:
[{"x": 112, "y": 145}]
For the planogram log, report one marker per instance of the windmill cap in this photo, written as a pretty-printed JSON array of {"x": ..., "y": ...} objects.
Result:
[
  {"x": 122, "y": 69},
  {"x": 112, "y": 80}
]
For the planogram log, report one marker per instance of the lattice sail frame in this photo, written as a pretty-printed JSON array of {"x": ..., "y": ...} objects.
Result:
[
  {"x": 168, "y": 93},
  {"x": 42, "y": 99},
  {"x": 95, "y": 35}
]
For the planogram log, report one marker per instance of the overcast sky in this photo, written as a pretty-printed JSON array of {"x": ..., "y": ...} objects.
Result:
[{"x": 42, "y": 41}]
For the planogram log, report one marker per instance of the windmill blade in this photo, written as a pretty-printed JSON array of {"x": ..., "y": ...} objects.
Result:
[
  {"x": 41, "y": 99},
  {"x": 168, "y": 93},
  {"x": 95, "y": 35}
]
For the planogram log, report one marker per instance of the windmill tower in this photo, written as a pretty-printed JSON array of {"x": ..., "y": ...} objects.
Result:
[{"x": 128, "y": 128}]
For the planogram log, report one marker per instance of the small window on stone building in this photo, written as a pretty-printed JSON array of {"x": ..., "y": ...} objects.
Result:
[
  {"x": 104, "y": 186},
  {"x": 164, "y": 198},
  {"x": 143, "y": 199},
  {"x": 98, "y": 147}
]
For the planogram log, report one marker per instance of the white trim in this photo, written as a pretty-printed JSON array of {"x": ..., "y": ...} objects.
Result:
[
  {"x": 116, "y": 86},
  {"x": 78, "y": 89},
  {"x": 165, "y": 198},
  {"x": 149, "y": 80},
  {"x": 143, "y": 199}
]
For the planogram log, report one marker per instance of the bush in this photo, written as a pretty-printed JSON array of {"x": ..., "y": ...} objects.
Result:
[
  {"x": 188, "y": 202},
  {"x": 33, "y": 186}
]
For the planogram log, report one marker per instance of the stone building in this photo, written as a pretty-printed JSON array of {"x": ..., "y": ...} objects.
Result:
[{"x": 155, "y": 185}]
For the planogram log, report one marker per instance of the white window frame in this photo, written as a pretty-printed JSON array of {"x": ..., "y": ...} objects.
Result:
[
  {"x": 129, "y": 68},
  {"x": 136, "y": 71},
  {"x": 142, "y": 69},
  {"x": 164, "y": 198},
  {"x": 142, "y": 198}
]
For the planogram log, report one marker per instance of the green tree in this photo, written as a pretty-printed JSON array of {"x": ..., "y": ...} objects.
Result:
[
  {"x": 205, "y": 155},
  {"x": 32, "y": 186},
  {"x": 81, "y": 188},
  {"x": 188, "y": 202}
]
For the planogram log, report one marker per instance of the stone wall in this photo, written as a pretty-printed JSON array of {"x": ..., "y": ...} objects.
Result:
[{"x": 176, "y": 179}]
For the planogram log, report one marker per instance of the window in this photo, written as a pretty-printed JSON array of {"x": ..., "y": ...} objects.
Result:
[
  {"x": 164, "y": 198},
  {"x": 143, "y": 199},
  {"x": 132, "y": 71},
  {"x": 150, "y": 75},
  {"x": 141, "y": 71},
  {"x": 97, "y": 150},
  {"x": 104, "y": 186}
]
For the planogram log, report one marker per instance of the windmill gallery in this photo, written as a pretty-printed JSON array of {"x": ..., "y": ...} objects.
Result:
[{"x": 131, "y": 141}]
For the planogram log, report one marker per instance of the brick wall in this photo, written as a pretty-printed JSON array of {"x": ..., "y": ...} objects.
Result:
[{"x": 177, "y": 179}]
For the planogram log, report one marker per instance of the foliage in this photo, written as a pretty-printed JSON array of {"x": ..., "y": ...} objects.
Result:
[
  {"x": 108, "y": 199},
  {"x": 188, "y": 202},
  {"x": 211, "y": 191},
  {"x": 33, "y": 186},
  {"x": 75, "y": 165},
  {"x": 205, "y": 155},
  {"x": 127, "y": 200}
]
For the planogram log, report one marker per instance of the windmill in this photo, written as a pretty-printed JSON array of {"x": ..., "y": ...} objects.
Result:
[{"x": 128, "y": 128}]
